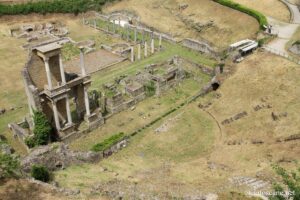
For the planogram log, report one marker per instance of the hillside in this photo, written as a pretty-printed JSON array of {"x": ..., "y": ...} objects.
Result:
[{"x": 181, "y": 115}]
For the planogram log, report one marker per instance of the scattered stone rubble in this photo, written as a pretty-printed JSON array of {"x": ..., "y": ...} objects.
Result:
[
  {"x": 253, "y": 183},
  {"x": 234, "y": 118},
  {"x": 57, "y": 156}
]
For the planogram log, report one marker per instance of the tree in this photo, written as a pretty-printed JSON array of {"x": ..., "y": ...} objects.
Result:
[
  {"x": 291, "y": 182},
  {"x": 40, "y": 173},
  {"x": 9, "y": 166}
]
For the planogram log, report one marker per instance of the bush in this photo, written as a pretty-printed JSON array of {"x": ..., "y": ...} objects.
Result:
[
  {"x": 107, "y": 143},
  {"x": 262, "y": 20},
  {"x": 150, "y": 88},
  {"x": 40, "y": 173},
  {"x": 30, "y": 141},
  {"x": 9, "y": 166},
  {"x": 42, "y": 130}
]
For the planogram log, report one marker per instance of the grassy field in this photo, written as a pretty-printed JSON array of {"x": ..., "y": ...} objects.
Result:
[
  {"x": 271, "y": 8},
  {"x": 228, "y": 24},
  {"x": 188, "y": 139}
]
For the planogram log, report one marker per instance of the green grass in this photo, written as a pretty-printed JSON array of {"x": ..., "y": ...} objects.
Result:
[
  {"x": 69, "y": 50},
  {"x": 169, "y": 100},
  {"x": 131, "y": 68},
  {"x": 107, "y": 143}
]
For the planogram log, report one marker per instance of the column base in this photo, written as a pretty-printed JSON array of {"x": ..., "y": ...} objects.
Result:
[
  {"x": 94, "y": 120},
  {"x": 67, "y": 130}
]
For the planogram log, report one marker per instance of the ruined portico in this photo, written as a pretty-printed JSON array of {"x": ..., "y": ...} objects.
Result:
[{"x": 50, "y": 89}]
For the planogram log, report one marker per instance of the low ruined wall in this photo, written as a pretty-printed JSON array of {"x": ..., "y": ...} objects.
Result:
[{"x": 200, "y": 46}]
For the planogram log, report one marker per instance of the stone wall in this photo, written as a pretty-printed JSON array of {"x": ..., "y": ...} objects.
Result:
[
  {"x": 201, "y": 46},
  {"x": 37, "y": 72}
]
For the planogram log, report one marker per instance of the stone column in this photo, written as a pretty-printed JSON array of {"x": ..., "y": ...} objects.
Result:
[
  {"x": 146, "y": 49},
  {"x": 135, "y": 34},
  {"x": 132, "y": 54},
  {"x": 95, "y": 24},
  {"x": 139, "y": 51},
  {"x": 143, "y": 36},
  {"x": 47, "y": 67},
  {"x": 114, "y": 26},
  {"x": 87, "y": 102},
  {"x": 152, "y": 46},
  {"x": 127, "y": 32},
  {"x": 160, "y": 40},
  {"x": 83, "y": 71},
  {"x": 62, "y": 71},
  {"x": 83, "y": 21},
  {"x": 56, "y": 118},
  {"x": 68, "y": 111}
]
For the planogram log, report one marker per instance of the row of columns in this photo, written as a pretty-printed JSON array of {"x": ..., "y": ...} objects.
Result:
[
  {"x": 127, "y": 30},
  {"x": 63, "y": 81},
  {"x": 152, "y": 49}
]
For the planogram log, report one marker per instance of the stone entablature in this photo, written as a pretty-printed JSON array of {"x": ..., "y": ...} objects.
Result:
[{"x": 49, "y": 91}]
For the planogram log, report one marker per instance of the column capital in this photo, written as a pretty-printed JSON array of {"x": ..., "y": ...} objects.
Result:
[{"x": 46, "y": 59}]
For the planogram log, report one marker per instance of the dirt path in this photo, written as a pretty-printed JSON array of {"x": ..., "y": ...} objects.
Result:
[{"x": 284, "y": 30}]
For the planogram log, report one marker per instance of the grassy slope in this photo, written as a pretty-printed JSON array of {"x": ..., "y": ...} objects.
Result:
[
  {"x": 187, "y": 139},
  {"x": 229, "y": 25}
]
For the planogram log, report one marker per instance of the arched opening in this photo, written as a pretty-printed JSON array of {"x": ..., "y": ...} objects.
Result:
[{"x": 215, "y": 86}]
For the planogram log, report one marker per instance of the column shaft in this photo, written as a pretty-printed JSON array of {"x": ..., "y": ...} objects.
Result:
[
  {"x": 68, "y": 111},
  {"x": 47, "y": 67},
  {"x": 83, "y": 72},
  {"x": 62, "y": 71},
  {"x": 146, "y": 50},
  {"x": 139, "y": 51},
  {"x": 87, "y": 102},
  {"x": 56, "y": 118},
  {"x": 152, "y": 46}
]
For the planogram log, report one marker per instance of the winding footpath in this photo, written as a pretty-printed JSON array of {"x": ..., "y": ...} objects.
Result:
[{"x": 284, "y": 30}]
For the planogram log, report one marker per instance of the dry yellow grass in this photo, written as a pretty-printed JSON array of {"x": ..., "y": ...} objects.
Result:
[
  {"x": 262, "y": 79},
  {"x": 272, "y": 8},
  {"x": 229, "y": 25}
]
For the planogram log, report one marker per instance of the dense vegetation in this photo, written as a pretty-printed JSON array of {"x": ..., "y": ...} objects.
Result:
[
  {"x": 262, "y": 20},
  {"x": 52, "y": 6},
  {"x": 9, "y": 166},
  {"x": 40, "y": 173},
  {"x": 150, "y": 88},
  {"x": 42, "y": 130},
  {"x": 107, "y": 143}
]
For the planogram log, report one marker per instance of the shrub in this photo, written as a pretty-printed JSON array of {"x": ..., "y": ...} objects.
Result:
[
  {"x": 30, "y": 141},
  {"x": 42, "y": 130},
  {"x": 150, "y": 88},
  {"x": 107, "y": 143},
  {"x": 9, "y": 166},
  {"x": 262, "y": 20},
  {"x": 40, "y": 173}
]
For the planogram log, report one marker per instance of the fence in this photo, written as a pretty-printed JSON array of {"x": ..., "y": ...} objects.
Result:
[{"x": 282, "y": 54}]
